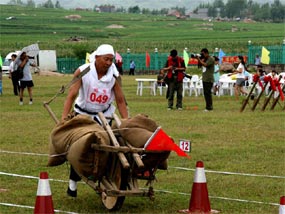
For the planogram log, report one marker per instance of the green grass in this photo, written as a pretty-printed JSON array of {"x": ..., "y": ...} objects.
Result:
[
  {"x": 141, "y": 33},
  {"x": 225, "y": 140}
]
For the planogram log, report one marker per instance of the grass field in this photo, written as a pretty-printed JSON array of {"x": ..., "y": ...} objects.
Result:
[
  {"x": 243, "y": 153},
  {"x": 51, "y": 30}
]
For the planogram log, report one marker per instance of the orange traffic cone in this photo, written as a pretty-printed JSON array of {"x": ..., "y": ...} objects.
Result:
[
  {"x": 199, "y": 202},
  {"x": 44, "y": 200},
  {"x": 282, "y": 205}
]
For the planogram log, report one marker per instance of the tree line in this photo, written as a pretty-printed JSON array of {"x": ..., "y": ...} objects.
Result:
[
  {"x": 240, "y": 9},
  {"x": 274, "y": 12}
]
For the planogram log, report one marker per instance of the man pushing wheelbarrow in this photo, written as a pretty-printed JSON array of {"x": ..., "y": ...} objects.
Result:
[{"x": 114, "y": 155}]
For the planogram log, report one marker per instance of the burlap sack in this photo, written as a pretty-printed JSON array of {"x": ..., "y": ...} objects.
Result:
[
  {"x": 55, "y": 159},
  {"x": 137, "y": 130},
  {"x": 86, "y": 161},
  {"x": 65, "y": 134}
]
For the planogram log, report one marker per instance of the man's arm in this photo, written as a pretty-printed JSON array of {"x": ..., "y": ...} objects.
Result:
[
  {"x": 120, "y": 100},
  {"x": 72, "y": 94}
]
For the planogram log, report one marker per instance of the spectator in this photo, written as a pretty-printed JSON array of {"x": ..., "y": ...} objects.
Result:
[
  {"x": 15, "y": 81},
  {"x": 257, "y": 60},
  {"x": 175, "y": 68},
  {"x": 208, "y": 65},
  {"x": 119, "y": 65},
  {"x": 27, "y": 80},
  {"x": 240, "y": 74},
  {"x": 216, "y": 76},
  {"x": 260, "y": 72},
  {"x": 132, "y": 67},
  {"x": 160, "y": 78}
]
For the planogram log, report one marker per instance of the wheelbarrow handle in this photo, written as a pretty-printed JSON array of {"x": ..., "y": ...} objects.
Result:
[
  {"x": 121, "y": 155},
  {"x": 136, "y": 156}
]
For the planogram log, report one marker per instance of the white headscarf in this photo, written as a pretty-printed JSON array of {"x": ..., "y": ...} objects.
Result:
[{"x": 102, "y": 50}]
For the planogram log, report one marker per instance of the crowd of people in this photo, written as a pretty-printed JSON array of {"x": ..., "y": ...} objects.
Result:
[
  {"x": 171, "y": 76},
  {"x": 210, "y": 66}
]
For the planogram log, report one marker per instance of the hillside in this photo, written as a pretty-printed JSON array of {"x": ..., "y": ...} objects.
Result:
[
  {"x": 59, "y": 29},
  {"x": 188, "y": 4}
]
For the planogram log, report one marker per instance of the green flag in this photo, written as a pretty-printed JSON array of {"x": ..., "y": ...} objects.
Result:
[
  {"x": 1, "y": 63},
  {"x": 185, "y": 57}
]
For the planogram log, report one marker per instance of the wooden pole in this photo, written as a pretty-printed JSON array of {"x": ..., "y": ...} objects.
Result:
[
  {"x": 245, "y": 102},
  {"x": 275, "y": 101},
  {"x": 136, "y": 156},
  {"x": 121, "y": 155},
  {"x": 258, "y": 98},
  {"x": 267, "y": 99}
]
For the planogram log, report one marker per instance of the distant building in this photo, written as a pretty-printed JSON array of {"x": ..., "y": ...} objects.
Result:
[
  {"x": 202, "y": 13},
  {"x": 106, "y": 8},
  {"x": 173, "y": 13}
]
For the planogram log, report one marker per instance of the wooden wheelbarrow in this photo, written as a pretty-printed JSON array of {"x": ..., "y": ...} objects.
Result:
[{"x": 125, "y": 166}]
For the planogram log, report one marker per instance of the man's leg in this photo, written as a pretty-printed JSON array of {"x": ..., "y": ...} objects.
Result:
[
  {"x": 30, "y": 90},
  {"x": 179, "y": 95},
  {"x": 207, "y": 87},
  {"x": 171, "y": 90},
  {"x": 73, "y": 179},
  {"x": 21, "y": 95}
]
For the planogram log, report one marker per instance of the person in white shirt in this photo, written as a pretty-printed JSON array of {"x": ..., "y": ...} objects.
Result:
[
  {"x": 240, "y": 74},
  {"x": 27, "y": 80}
]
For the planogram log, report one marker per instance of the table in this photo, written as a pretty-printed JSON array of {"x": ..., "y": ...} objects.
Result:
[
  {"x": 226, "y": 84},
  {"x": 146, "y": 83}
]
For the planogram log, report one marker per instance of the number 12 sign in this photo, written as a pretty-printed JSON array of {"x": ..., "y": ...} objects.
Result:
[{"x": 185, "y": 145}]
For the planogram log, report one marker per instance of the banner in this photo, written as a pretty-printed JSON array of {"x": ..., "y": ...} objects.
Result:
[
  {"x": 221, "y": 55},
  {"x": 265, "y": 59},
  {"x": 232, "y": 59},
  {"x": 87, "y": 58},
  {"x": 118, "y": 57},
  {"x": 185, "y": 57}
]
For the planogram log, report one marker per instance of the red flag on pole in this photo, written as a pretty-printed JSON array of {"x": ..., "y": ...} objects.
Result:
[
  {"x": 161, "y": 141},
  {"x": 147, "y": 60}
]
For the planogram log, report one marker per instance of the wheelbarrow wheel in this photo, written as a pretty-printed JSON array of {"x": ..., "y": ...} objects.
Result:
[{"x": 113, "y": 203}]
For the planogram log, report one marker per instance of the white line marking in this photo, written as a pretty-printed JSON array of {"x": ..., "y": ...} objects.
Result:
[
  {"x": 164, "y": 191},
  {"x": 23, "y": 153},
  {"x": 29, "y": 207},
  {"x": 231, "y": 173},
  {"x": 174, "y": 167}
]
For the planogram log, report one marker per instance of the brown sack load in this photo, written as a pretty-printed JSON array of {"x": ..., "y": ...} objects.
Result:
[
  {"x": 86, "y": 161},
  {"x": 137, "y": 130},
  {"x": 65, "y": 134}
]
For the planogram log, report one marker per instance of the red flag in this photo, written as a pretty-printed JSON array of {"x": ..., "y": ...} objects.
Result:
[
  {"x": 161, "y": 141},
  {"x": 147, "y": 60}
]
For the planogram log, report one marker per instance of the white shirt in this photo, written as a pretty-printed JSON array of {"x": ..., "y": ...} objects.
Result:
[
  {"x": 26, "y": 70},
  {"x": 11, "y": 66},
  {"x": 240, "y": 75},
  {"x": 96, "y": 95}
]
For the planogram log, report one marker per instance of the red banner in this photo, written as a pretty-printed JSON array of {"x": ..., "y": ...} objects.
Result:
[
  {"x": 233, "y": 59},
  {"x": 230, "y": 59}
]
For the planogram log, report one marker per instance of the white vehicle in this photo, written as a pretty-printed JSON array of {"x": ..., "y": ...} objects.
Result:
[
  {"x": 7, "y": 62},
  {"x": 46, "y": 60}
]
